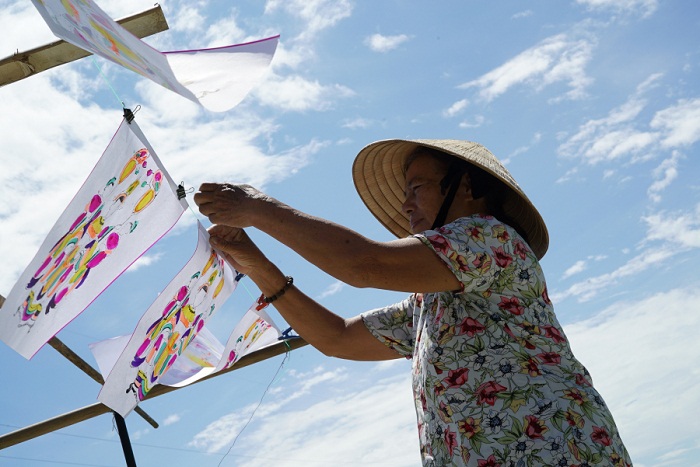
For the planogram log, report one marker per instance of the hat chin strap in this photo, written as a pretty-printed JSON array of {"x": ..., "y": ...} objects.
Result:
[{"x": 451, "y": 181}]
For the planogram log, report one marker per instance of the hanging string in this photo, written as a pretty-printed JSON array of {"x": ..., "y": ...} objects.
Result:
[
  {"x": 107, "y": 81},
  {"x": 252, "y": 297},
  {"x": 274, "y": 378}
]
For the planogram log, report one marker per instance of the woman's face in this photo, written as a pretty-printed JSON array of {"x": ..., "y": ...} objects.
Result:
[{"x": 422, "y": 190}]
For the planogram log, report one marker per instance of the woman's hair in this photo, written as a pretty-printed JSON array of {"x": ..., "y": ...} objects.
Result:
[{"x": 483, "y": 184}]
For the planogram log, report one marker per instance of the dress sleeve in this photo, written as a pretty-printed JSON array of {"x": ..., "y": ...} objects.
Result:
[
  {"x": 472, "y": 248},
  {"x": 393, "y": 326}
]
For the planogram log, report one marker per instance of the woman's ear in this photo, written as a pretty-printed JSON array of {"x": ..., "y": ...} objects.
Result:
[{"x": 466, "y": 187}]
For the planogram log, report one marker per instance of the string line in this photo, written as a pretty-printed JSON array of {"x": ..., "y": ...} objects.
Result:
[
  {"x": 274, "y": 378},
  {"x": 99, "y": 70}
]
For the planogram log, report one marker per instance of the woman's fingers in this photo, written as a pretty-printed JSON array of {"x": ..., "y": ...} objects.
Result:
[{"x": 225, "y": 203}]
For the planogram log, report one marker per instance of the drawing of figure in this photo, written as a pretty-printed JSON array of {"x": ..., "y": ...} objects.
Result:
[
  {"x": 254, "y": 332},
  {"x": 96, "y": 233},
  {"x": 182, "y": 319}
]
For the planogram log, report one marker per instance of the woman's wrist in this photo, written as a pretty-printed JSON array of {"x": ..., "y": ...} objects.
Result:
[
  {"x": 271, "y": 298},
  {"x": 269, "y": 279}
]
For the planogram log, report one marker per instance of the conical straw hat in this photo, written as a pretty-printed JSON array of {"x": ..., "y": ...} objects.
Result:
[{"x": 378, "y": 172}]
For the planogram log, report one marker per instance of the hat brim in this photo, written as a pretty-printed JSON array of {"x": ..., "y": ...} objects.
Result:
[{"x": 378, "y": 173}]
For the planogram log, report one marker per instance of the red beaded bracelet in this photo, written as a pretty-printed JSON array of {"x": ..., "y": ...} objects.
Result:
[{"x": 287, "y": 285}]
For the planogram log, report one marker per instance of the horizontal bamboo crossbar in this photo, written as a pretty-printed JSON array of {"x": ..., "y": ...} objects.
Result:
[
  {"x": 91, "y": 411},
  {"x": 23, "y": 64}
]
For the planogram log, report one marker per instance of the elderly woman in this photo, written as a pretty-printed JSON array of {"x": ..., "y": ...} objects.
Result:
[{"x": 494, "y": 379}]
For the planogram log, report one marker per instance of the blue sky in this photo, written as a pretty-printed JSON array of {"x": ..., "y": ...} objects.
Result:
[{"x": 594, "y": 105}]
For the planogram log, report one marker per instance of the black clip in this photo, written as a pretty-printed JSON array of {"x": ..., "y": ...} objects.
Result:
[
  {"x": 128, "y": 115},
  {"x": 287, "y": 335},
  {"x": 181, "y": 193}
]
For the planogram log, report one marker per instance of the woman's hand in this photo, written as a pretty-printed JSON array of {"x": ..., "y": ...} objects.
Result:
[
  {"x": 238, "y": 249},
  {"x": 231, "y": 205}
]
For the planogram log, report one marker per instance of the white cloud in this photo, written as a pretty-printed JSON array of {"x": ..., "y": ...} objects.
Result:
[
  {"x": 592, "y": 286},
  {"x": 234, "y": 147},
  {"x": 358, "y": 122},
  {"x": 617, "y": 144},
  {"x": 375, "y": 425},
  {"x": 619, "y": 136},
  {"x": 223, "y": 431},
  {"x": 581, "y": 265},
  {"x": 316, "y": 15},
  {"x": 609, "y": 137},
  {"x": 187, "y": 18},
  {"x": 568, "y": 175},
  {"x": 371, "y": 423},
  {"x": 644, "y": 7},
  {"x": 555, "y": 59},
  {"x": 332, "y": 289},
  {"x": 295, "y": 93},
  {"x": 380, "y": 43},
  {"x": 138, "y": 434},
  {"x": 476, "y": 122},
  {"x": 171, "y": 419},
  {"x": 22, "y": 28},
  {"x": 220, "y": 433},
  {"x": 577, "y": 267},
  {"x": 668, "y": 234},
  {"x": 638, "y": 353},
  {"x": 456, "y": 108},
  {"x": 522, "y": 14},
  {"x": 144, "y": 261},
  {"x": 536, "y": 138},
  {"x": 679, "y": 228},
  {"x": 664, "y": 174},
  {"x": 680, "y": 124},
  {"x": 225, "y": 32}
]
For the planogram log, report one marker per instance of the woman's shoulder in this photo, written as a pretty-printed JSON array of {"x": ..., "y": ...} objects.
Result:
[{"x": 486, "y": 233}]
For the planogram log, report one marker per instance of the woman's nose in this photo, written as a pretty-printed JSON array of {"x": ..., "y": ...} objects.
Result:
[{"x": 408, "y": 205}]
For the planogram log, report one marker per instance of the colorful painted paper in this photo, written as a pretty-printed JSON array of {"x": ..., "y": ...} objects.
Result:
[
  {"x": 217, "y": 78},
  {"x": 204, "y": 351},
  {"x": 127, "y": 203},
  {"x": 205, "y": 354},
  {"x": 169, "y": 325},
  {"x": 255, "y": 331}
]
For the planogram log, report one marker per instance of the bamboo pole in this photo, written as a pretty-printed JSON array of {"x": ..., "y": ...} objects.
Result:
[
  {"x": 91, "y": 411},
  {"x": 23, "y": 64},
  {"x": 75, "y": 359}
]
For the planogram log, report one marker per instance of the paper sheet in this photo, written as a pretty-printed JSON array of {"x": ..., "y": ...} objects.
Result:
[
  {"x": 126, "y": 205},
  {"x": 169, "y": 325},
  {"x": 205, "y": 354},
  {"x": 217, "y": 78}
]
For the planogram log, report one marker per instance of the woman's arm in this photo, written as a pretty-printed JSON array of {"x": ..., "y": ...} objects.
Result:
[
  {"x": 401, "y": 265},
  {"x": 331, "y": 334}
]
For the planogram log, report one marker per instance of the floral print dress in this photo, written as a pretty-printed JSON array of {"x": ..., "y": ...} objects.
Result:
[{"x": 494, "y": 379}]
